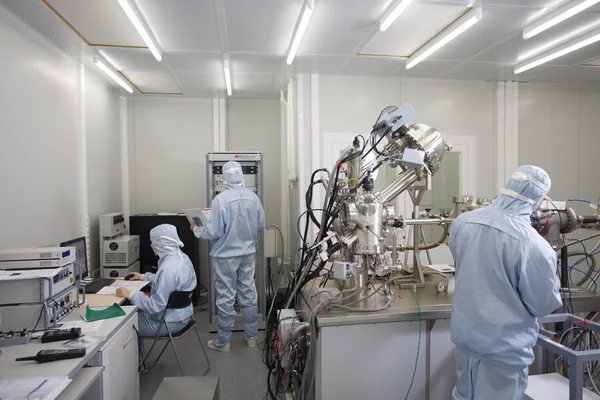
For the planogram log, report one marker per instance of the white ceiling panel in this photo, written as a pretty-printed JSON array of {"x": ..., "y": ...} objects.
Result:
[
  {"x": 428, "y": 69},
  {"x": 573, "y": 75},
  {"x": 305, "y": 64},
  {"x": 496, "y": 24},
  {"x": 261, "y": 26},
  {"x": 128, "y": 59},
  {"x": 153, "y": 81},
  {"x": 476, "y": 71},
  {"x": 202, "y": 84},
  {"x": 195, "y": 61},
  {"x": 182, "y": 24},
  {"x": 594, "y": 61},
  {"x": 338, "y": 26},
  {"x": 378, "y": 66},
  {"x": 99, "y": 21},
  {"x": 256, "y": 63},
  {"x": 413, "y": 28},
  {"x": 255, "y": 85}
]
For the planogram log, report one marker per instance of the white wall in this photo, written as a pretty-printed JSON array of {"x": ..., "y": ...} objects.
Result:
[
  {"x": 59, "y": 128},
  {"x": 559, "y": 130},
  {"x": 40, "y": 150},
  {"x": 102, "y": 116},
  {"x": 170, "y": 139},
  {"x": 254, "y": 125}
]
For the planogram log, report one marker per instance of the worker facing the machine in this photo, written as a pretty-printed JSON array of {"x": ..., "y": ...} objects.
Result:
[
  {"x": 505, "y": 280},
  {"x": 236, "y": 217}
]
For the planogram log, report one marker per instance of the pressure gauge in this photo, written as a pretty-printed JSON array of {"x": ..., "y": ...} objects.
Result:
[{"x": 442, "y": 286}]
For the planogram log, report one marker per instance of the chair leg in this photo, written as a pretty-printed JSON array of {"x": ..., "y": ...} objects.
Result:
[
  {"x": 175, "y": 350},
  {"x": 154, "y": 344},
  {"x": 203, "y": 351}
]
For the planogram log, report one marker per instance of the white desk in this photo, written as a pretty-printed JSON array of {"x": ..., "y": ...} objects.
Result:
[{"x": 120, "y": 344}]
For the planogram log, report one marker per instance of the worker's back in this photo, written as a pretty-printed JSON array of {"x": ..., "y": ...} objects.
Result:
[
  {"x": 505, "y": 278},
  {"x": 242, "y": 216}
]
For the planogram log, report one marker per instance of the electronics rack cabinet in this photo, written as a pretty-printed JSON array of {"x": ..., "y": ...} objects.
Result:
[{"x": 252, "y": 169}]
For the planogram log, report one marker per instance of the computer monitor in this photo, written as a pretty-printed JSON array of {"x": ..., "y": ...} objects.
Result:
[{"x": 81, "y": 263}]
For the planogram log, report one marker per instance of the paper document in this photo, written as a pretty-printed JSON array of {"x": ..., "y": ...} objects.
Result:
[
  {"x": 166, "y": 214},
  {"x": 84, "y": 342},
  {"x": 444, "y": 268},
  {"x": 86, "y": 327},
  {"x": 32, "y": 388},
  {"x": 108, "y": 290},
  {"x": 133, "y": 285},
  {"x": 200, "y": 216}
]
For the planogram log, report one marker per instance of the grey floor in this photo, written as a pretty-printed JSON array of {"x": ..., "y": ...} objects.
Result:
[{"x": 243, "y": 376}]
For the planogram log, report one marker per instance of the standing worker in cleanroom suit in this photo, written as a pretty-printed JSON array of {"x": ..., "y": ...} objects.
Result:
[
  {"x": 505, "y": 279},
  {"x": 175, "y": 273},
  {"x": 235, "y": 219}
]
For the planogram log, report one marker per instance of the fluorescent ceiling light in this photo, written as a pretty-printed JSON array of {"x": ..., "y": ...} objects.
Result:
[
  {"x": 139, "y": 26},
  {"x": 394, "y": 13},
  {"x": 309, "y": 7},
  {"x": 574, "y": 33},
  {"x": 560, "y": 51},
  {"x": 459, "y": 26},
  {"x": 108, "y": 71},
  {"x": 227, "y": 76},
  {"x": 558, "y": 16}
]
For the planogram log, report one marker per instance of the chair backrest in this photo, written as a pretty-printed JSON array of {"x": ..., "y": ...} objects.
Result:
[{"x": 179, "y": 300}]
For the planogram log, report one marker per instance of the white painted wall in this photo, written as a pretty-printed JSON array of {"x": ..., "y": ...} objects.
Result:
[
  {"x": 254, "y": 125},
  {"x": 102, "y": 116},
  {"x": 59, "y": 128},
  {"x": 40, "y": 153},
  {"x": 559, "y": 131},
  {"x": 170, "y": 139}
]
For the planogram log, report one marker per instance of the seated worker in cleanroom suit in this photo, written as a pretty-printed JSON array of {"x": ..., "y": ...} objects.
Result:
[
  {"x": 505, "y": 279},
  {"x": 175, "y": 273},
  {"x": 236, "y": 217}
]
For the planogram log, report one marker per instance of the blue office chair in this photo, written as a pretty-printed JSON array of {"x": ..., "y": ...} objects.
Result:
[{"x": 177, "y": 300}]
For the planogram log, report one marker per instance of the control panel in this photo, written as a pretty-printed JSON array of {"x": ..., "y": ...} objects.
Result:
[
  {"x": 250, "y": 170},
  {"x": 59, "y": 306}
]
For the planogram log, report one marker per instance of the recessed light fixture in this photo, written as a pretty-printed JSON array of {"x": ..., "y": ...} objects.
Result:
[
  {"x": 308, "y": 8},
  {"x": 446, "y": 36},
  {"x": 139, "y": 26},
  {"x": 227, "y": 75},
  {"x": 103, "y": 65},
  {"x": 569, "y": 47},
  {"x": 393, "y": 14},
  {"x": 558, "y": 16}
]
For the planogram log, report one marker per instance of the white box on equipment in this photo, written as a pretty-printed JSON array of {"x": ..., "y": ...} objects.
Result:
[
  {"x": 121, "y": 251},
  {"x": 120, "y": 272},
  {"x": 41, "y": 257},
  {"x": 112, "y": 224}
]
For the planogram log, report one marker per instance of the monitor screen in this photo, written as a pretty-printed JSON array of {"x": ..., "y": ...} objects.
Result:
[{"x": 81, "y": 263}]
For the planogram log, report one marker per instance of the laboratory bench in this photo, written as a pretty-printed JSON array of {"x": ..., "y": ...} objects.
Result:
[{"x": 109, "y": 370}]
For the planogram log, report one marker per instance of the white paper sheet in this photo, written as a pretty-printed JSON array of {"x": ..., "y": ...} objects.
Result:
[
  {"x": 18, "y": 389},
  {"x": 444, "y": 268},
  {"x": 108, "y": 290},
  {"x": 86, "y": 327},
  {"x": 133, "y": 285}
]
